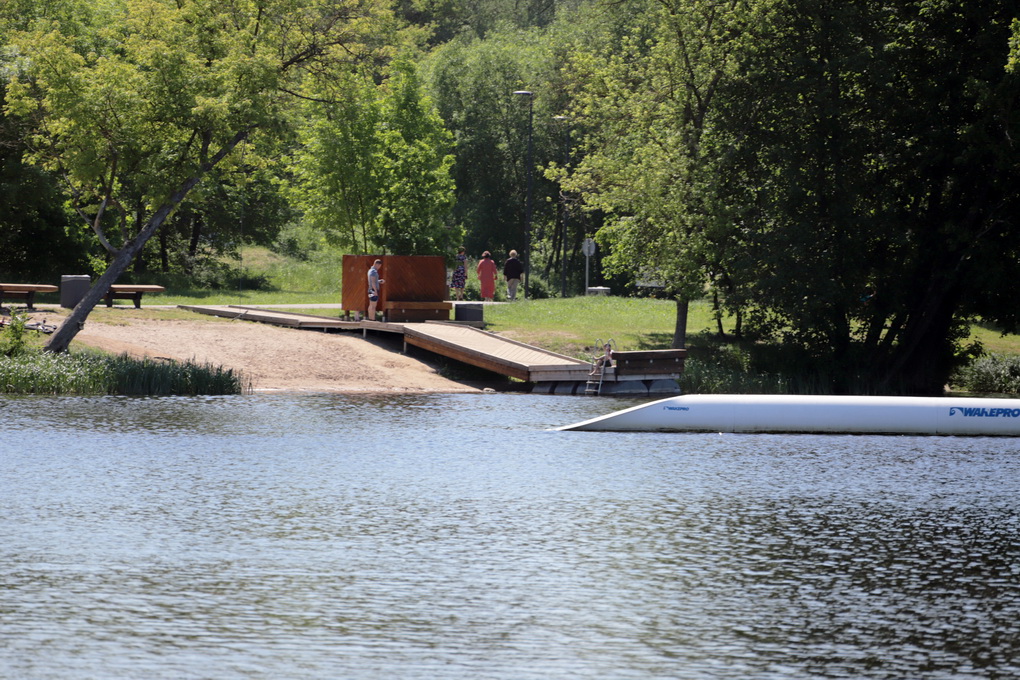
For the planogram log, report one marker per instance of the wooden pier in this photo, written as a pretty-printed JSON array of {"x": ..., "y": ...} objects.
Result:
[
  {"x": 548, "y": 371},
  {"x": 277, "y": 318},
  {"x": 495, "y": 353}
]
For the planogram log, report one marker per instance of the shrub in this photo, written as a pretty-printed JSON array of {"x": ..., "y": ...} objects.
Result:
[
  {"x": 12, "y": 337},
  {"x": 992, "y": 373},
  {"x": 38, "y": 372},
  {"x": 701, "y": 377}
]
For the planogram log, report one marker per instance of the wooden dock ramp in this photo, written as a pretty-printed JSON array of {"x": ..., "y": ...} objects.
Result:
[
  {"x": 495, "y": 353},
  {"x": 275, "y": 317},
  {"x": 638, "y": 373}
]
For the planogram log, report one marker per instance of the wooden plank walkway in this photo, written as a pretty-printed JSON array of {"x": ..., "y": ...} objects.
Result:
[
  {"x": 275, "y": 317},
  {"x": 456, "y": 341},
  {"x": 495, "y": 353},
  {"x": 646, "y": 373}
]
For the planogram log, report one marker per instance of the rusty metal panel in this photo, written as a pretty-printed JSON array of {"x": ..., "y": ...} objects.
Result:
[{"x": 409, "y": 278}]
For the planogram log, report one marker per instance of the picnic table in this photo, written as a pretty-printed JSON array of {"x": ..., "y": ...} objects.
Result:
[
  {"x": 130, "y": 291},
  {"x": 24, "y": 291}
]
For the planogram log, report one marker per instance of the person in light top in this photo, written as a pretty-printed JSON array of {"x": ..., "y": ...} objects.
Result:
[{"x": 374, "y": 287}]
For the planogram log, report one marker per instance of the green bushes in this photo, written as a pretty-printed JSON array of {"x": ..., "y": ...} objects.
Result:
[
  {"x": 37, "y": 372},
  {"x": 12, "y": 338},
  {"x": 720, "y": 374},
  {"x": 703, "y": 377},
  {"x": 27, "y": 369},
  {"x": 993, "y": 373}
]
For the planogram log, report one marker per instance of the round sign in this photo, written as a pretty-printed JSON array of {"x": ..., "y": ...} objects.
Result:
[{"x": 588, "y": 247}]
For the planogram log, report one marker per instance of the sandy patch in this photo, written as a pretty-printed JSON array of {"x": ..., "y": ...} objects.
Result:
[{"x": 276, "y": 358}]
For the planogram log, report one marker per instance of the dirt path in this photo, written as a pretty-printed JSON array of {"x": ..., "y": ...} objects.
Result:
[{"x": 275, "y": 358}]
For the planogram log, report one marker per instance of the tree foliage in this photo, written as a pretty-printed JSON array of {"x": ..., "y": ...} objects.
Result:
[
  {"x": 653, "y": 154},
  {"x": 473, "y": 81},
  {"x": 34, "y": 239},
  {"x": 845, "y": 174},
  {"x": 448, "y": 19},
  {"x": 135, "y": 112},
  {"x": 885, "y": 169},
  {"x": 374, "y": 168}
]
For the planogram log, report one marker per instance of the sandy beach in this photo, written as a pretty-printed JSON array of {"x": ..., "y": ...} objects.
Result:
[{"x": 275, "y": 358}]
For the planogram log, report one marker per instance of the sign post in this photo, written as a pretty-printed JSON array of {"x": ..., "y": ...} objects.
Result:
[{"x": 588, "y": 248}]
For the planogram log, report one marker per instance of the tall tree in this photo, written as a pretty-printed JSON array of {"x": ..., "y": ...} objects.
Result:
[
  {"x": 653, "y": 153},
  {"x": 335, "y": 181},
  {"x": 847, "y": 172},
  {"x": 36, "y": 237},
  {"x": 417, "y": 164},
  {"x": 373, "y": 171},
  {"x": 473, "y": 81},
  {"x": 134, "y": 118},
  {"x": 883, "y": 169}
]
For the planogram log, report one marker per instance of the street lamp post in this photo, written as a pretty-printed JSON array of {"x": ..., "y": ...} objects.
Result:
[
  {"x": 527, "y": 211},
  {"x": 564, "y": 206}
]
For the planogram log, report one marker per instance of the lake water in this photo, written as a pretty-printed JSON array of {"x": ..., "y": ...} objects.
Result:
[{"x": 453, "y": 536}]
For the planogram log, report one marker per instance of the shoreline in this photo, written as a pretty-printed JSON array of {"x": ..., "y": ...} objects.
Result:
[{"x": 273, "y": 358}]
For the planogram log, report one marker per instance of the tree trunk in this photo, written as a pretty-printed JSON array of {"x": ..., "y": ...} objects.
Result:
[
  {"x": 62, "y": 337},
  {"x": 922, "y": 361},
  {"x": 164, "y": 253},
  {"x": 196, "y": 236},
  {"x": 680, "y": 332},
  {"x": 717, "y": 310},
  {"x": 141, "y": 266}
]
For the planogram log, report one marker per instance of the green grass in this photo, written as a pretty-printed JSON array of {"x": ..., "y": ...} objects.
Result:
[
  {"x": 288, "y": 280},
  {"x": 573, "y": 326},
  {"x": 993, "y": 340},
  {"x": 247, "y": 297}
]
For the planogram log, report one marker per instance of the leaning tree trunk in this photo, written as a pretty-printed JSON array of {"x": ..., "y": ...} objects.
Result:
[{"x": 62, "y": 337}]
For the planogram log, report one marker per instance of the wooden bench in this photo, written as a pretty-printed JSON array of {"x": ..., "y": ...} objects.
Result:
[
  {"x": 127, "y": 291},
  {"x": 397, "y": 310},
  {"x": 24, "y": 291}
]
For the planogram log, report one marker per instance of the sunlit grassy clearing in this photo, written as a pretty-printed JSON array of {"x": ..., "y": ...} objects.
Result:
[
  {"x": 994, "y": 341},
  {"x": 574, "y": 326}
]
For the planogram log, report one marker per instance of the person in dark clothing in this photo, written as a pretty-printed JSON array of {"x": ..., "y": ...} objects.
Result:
[{"x": 512, "y": 270}]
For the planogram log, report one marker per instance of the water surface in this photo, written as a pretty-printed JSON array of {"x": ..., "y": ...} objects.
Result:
[{"x": 453, "y": 536}]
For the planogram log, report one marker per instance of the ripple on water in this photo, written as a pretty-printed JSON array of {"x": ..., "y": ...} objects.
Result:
[{"x": 453, "y": 536}]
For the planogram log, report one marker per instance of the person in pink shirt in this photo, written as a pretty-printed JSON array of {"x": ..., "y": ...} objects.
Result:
[{"x": 487, "y": 272}]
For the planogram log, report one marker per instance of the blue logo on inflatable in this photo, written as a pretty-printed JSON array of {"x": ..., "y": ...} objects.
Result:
[
  {"x": 978, "y": 412},
  {"x": 677, "y": 408}
]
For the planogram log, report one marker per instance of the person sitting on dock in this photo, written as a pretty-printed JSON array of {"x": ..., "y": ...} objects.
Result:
[
  {"x": 604, "y": 361},
  {"x": 374, "y": 283}
]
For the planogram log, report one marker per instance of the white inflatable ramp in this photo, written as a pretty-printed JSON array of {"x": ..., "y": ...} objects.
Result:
[{"x": 815, "y": 414}]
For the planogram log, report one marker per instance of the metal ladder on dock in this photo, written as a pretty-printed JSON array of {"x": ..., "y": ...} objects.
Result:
[{"x": 594, "y": 385}]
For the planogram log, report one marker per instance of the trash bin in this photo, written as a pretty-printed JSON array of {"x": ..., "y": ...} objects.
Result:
[
  {"x": 73, "y": 289},
  {"x": 467, "y": 312}
]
